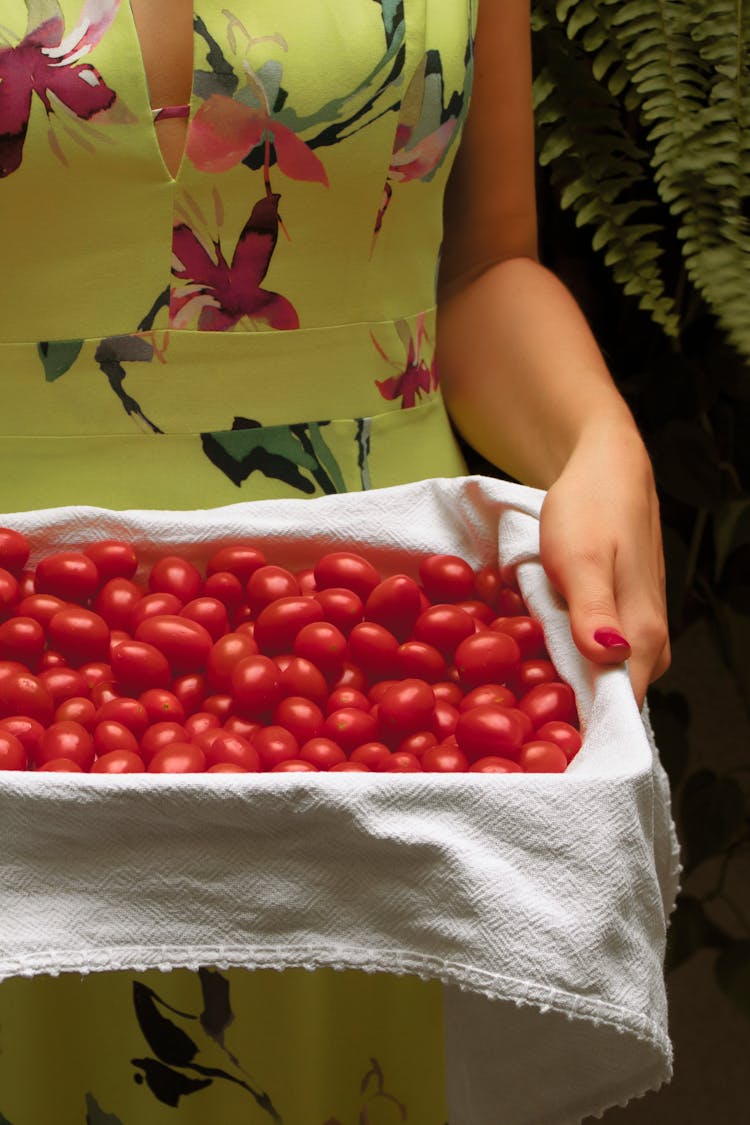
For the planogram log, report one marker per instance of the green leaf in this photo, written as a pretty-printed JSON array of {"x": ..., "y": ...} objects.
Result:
[
  {"x": 95, "y": 1115},
  {"x": 712, "y": 815},
  {"x": 733, "y": 974},
  {"x": 58, "y": 356}
]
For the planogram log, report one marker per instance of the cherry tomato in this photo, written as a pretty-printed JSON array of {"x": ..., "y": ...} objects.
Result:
[
  {"x": 104, "y": 692},
  {"x": 546, "y": 702},
  {"x": 269, "y": 583},
  {"x": 487, "y": 583},
  {"x": 79, "y": 634},
  {"x": 130, "y": 712},
  {"x": 9, "y": 591},
  {"x": 208, "y": 612},
  {"x": 351, "y": 676},
  {"x": 116, "y": 602},
  {"x": 162, "y": 705},
  {"x": 77, "y": 709},
  {"x": 96, "y": 672},
  {"x": 51, "y": 659},
  {"x": 402, "y": 762},
  {"x": 159, "y": 735},
  {"x": 324, "y": 645},
  {"x": 526, "y": 632},
  {"x": 350, "y": 727},
  {"x": 118, "y": 761},
  {"x": 417, "y": 743},
  {"x": 446, "y": 578},
  {"x": 278, "y": 624},
  {"x": 24, "y": 694},
  {"x": 110, "y": 735},
  {"x": 322, "y": 753},
  {"x": 42, "y": 607},
  {"x": 342, "y": 607},
  {"x": 205, "y": 738},
  {"x": 533, "y": 672},
  {"x": 444, "y": 759},
  {"x": 494, "y": 764},
  {"x": 219, "y": 704},
  {"x": 350, "y": 767},
  {"x": 224, "y": 656},
  {"x": 444, "y": 719},
  {"x": 21, "y": 639},
  {"x": 294, "y": 765},
  {"x": 184, "y": 643},
  {"x": 12, "y": 752},
  {"x": 63, "y": 683},
  {"x": 235, "y": 724},
  {"x": 175, "y": 575},
  {"x": 498, "y": 694},
  {"x": 67, "y": 574},
  {"x": 300, "y": 716},
  {"x": 374, "y": 649},
  {"x": 562, "y": 734},
  {"x": 347, "y": 697},
  {"x": 66, "y": 740},
  {"x": 487, "y": 731},
  {"x": 275, "y": 745},
  {"x": 306, "y": 580},
  {"x": 137, "y": 666},
  {"x": 378, "y": 690},
  {"x": 227, "y": 589},
  {"x": 161, "y": 604},
  {"x": 301, "y": 677},
  {"x": 112, "y": 559},
  {"x": 421, "y": 661},
  {"x": 509, "y": 602},
  {"x": 347, "y": 569},
  {"x": 395, "y": 604},
  {"x": 200, "y": 722},
  {"x": 238, "y": 559},
  {"x": 60, "y": 765},
  {"x": 27, "y": 731},
  {"x": 14, "y": 550},
  {"x": 406, "y": 707},
  {"x": 539, "y": 756},
  {"x": 479, "y": 612},
  {"x": 233, "y": 748},
  {"x": 527, "y": 727},
  {"x": 190, "y": 690},
  {"x": 487, "y": 658},
  {"x": 226, "y": 767},
  {"x": 449, "y": 692},
  {"x": 256, "y": 685},
  {"x": 178, "y": 757},
  {"x": 374, "y": 755}
]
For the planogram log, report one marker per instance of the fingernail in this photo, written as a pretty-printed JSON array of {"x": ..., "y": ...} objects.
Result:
[{"x": 610, "y": 638}]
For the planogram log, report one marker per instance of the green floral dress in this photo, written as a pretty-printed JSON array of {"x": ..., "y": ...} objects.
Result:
[{"x": 260, "y": 325}]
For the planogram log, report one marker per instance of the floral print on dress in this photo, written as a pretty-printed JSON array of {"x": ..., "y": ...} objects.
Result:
[
  {"x": 45, "y": 63},
  {"x": 417, "y": 378}
]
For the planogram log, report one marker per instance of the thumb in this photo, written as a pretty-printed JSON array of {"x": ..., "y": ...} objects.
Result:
[{"x": 586, "y": 582}]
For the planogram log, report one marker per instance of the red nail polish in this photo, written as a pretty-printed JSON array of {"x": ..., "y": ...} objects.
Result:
[{"x": 610, "y": 638}]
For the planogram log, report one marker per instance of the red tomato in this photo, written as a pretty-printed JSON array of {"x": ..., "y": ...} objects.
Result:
[
  {"x": 178, "y": 757},
  {"x": 374, "y": 649},
  {"x": 103, "y": 693},
  {"x": 14, "y": 550},
  {"x": 238, "y": 559},
  {"x": 42, "y": 607},
  {"x": 26, "y": 586},
  {"x": 137, "y": 666},
  {"x": 160, "y": 735},
  {"x": 77, "y": 709},
  {"x": 418, "y": 660},
  {"x": 347, "y": 569},
  {"x": 347, "y": 697},
  {"x": 444, "y": 759},
  {"x": 112, "y": 559},
  {"x": 226, "y": 588},
  {"x": 154, "y": 605},
  {"x": 256, "y": 685},
  {"x": 9, "y": 591},
  {"x": 306, "y": 580},
  {"x": 324, "y": 645},
  {"x": 403, "y": 763},
  {"x": 444, "y": 626},
  {"x": 301, "y": 677},
  {"x": 191, "y": 691},
  {"x": 116, "y": 602},
  {"x": 444, "y": 719},
  {"x": 66, "y": 740},
  {"x": 162, "y": 705},
  {"x": 24, "y": 694},
  {"x": 175, "y": 575},
  {"x": 67, "y": 574},
  {"x": 300, "y": 716},
  {"x": 494, "y": 764},
  {"x": 479, "y": 612},
  {"x": 269, "y": 583},
  {"x": 224, "y": 656},
  {"x": 12, "y": 752},
  {"x": 110, "y": 735},
  {"x": 80, "y": 635},
  {"x": 278, "y": 624},
  {"x": 489, "y": 730},
  {"x": 63, "y": 683},
  {"x": 233, "y": 748},
  {"x": 294, "y": 765},
  {"x": 374, "y": 755},
  {"x": 533, "y": 672},
  {"x": 27, "y": 731},
  {"x": 21, "y": 639},
  {"x": 119, "y": 761},
  {"x": 417, "y": 743},
  {"x": 96, "y": 672},
  {"x": 446, "y": 578},
  {"x": 274, "y": 745},
  {"x": 487, "y": 583},
  {"x": 405, "y": 708},
  {"x": 546, "y": 702},
  {"x": 349, "y": 728},
  {"x": 509, "y": 602},
  {"x": 60, "y": 765},
  {"x": 235, "y": 724},
  {"x": 487, "y": 658},
  {"x": 448, "y": 692},
  {"x": 378, "y": 690},
  {"x": 350, "y": 767},
  {"x": 205, "y": 738},
  {"x": 51, "y": 659},
  {"x": 539, "y": 756},
  {"x": 526, "y": 632},
  {"x": 527, "y": 727},
  {"x": 208, "y": 612},
  {"x": 221, "y": 705},
  {"x": 342, "y": 607},
  {"x": 200, "y": 722},
  {"x": 395, "y": 604},
  {"x": 184, "y": 643},
  {"x": 130, "y": 712},
  {"x": 226, "y": 767},
  {"x": 322, "y": 753},
  {"x": 498, "y": 694},
  {"x": 562, "y": 734}
]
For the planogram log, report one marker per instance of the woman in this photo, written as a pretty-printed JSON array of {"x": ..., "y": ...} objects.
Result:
[{"x": 312, "y": 170}]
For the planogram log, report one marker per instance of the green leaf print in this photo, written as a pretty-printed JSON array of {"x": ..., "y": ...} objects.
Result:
[
  {"x": 95, "y": 1115},
  {"x": 217, "y": 1014},
  {"x": 165, "y": 1038},
  {"x": 58, "y": 356},
  {"x": 4, "y": 1120},
  {"x": 393, "y": 17},
  {"x": 281, "y": 453}
]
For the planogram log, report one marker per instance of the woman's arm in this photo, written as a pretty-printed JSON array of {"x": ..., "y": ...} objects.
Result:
[{"x": 524, "y": 380}]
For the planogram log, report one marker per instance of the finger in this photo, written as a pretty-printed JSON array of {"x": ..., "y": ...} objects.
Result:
[
  {"x": 644, "y": 671},
  {"x": 586, "y": 579}
]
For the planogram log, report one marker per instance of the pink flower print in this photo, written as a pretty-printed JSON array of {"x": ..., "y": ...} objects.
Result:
[
  {"x": 220, "y": 294},
  {"x": 42, "y": 64},
  {"x": 414, "y": 380}
]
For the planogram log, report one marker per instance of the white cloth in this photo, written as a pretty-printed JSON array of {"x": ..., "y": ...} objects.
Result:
[{"x": 540, "y": 901}]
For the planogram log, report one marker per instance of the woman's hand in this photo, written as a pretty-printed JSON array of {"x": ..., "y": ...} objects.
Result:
[{"x": 601, "y": 548}]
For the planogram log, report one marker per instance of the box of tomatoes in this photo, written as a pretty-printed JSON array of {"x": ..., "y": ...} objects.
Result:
[{"x": 350, "y": 732}]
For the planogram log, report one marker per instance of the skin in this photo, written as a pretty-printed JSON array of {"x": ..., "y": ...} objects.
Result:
[{"x": 523, "y": 377}]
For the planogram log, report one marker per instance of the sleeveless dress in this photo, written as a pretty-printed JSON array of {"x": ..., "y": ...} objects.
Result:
[{"x": 260, "y": 325}]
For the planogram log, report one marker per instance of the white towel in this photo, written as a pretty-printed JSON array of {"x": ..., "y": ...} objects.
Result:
[{"x": 540, "y": 901}]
